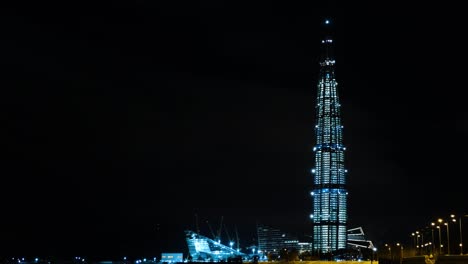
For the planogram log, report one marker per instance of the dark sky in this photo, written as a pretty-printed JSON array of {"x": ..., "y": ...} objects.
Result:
[{"x": 123, "y": 120}]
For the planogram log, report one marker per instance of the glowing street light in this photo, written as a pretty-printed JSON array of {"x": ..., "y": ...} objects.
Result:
[
  {"x": 432, "y": 236},
  {"x": 389, "y": 251},
  {"x": 448, "y": 238},
  {"x": 461, "y": 233},
  {"x": 401, "y": 251},
  {"x": 418, "y": 248},
  {"x": 440, "y": 242}
]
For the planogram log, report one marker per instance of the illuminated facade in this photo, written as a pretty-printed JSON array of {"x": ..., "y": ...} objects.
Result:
[
  {"x": 272, "y": 240},
  {"x": 329, "y": 194}
]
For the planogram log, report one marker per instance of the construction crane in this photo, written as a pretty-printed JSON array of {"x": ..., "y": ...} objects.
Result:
[
  {"x": 211, "y": 230},
  {"x": 228, "y": 236},
  {"x": 227, "y": 233},
  {"x": 237, "y": 238},
  {"x": 218, "y": 238}
]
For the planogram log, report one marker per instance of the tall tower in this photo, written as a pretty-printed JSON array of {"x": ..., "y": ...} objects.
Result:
[{"x": 329, "y": 194}]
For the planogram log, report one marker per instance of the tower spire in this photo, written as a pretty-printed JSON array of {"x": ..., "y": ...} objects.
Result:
[
  {"x": 329, "y": 194},
  {"x": 327, "y": 42}
]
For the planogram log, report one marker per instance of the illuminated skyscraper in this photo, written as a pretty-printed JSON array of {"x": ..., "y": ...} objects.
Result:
[{"x": 329, "y": 194}]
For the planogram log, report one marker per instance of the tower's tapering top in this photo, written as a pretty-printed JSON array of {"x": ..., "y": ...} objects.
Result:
[
  {"x": 327, "y": 42},
  {"x": 327, "y": 27}
]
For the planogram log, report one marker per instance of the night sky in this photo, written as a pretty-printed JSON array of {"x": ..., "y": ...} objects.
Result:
[{"x": 121, "y": 121}]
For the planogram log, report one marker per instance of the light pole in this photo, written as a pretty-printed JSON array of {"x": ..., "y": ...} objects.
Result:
[
  {"x": 389, "y": 246},
  {"x": 417, "y": 243},
  {"x": 390, "y": 250},
  {"x": 401, "y": 252},
  {"x": 422, "y": 242},
  {"x": 461, "y": 233},
  {"x": 440, "y": 242},
  {"x": 441, "y": 221},
  {"x": 453, "y": 220},
  {"x": 432, "y": 236},
  {"x": 448, "y": 238},
  {"x": 461, "y": 238}
]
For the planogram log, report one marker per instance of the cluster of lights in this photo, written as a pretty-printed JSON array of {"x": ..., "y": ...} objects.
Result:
[
  {"x": 439, "y": 247},
  {"x": 330, "y": 146},
  {"x": 328, "y": 62}
]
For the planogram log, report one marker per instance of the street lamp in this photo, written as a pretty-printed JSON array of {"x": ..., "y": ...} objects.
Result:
[
  {"x": 432, "y": 236},
  {"x": 401, "y": 251},
  {"x": 440, "y": 242},
  {"x": 422, "y": 242},
  {"x": 390, "y": 252},
  {"x": 461, "y": 236},
  {"x": 461, "y": 233},
  {"x": 418, "y": 251},
  {"x": 441, "y": 221},
  {"x": 420, "y": 246},
  {"x": 448, "y": 238}
]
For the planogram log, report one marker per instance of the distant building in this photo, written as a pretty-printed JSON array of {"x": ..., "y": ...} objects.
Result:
[
  {"x": 202, "y": 249},
  {"x": 172, "y": 257},
  {"x": 305, "y": 246},
  {"x": 272, "y": 240}
]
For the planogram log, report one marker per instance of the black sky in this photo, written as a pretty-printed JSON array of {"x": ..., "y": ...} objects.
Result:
[{"x": 123, "y": 120}]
